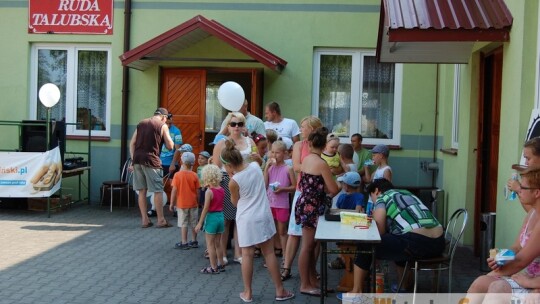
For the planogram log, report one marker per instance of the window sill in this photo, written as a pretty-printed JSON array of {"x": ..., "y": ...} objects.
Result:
[
  {"x": 94, "y": 138},
  {"x": 450, "y": 151},
  {"x": 391, "y": 147}
]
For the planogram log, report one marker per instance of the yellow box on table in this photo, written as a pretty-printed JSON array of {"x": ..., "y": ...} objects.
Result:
[{"x": 354, "y": 218}]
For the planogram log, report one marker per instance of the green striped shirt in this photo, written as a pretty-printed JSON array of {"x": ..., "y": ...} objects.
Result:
[{"x": 405, "y": 212}]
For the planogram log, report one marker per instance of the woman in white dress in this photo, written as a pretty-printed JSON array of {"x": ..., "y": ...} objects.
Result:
[{"x": 253, "y": 218}]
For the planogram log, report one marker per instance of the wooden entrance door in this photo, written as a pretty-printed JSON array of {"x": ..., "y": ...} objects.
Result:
[
  {"x": 183, "y": 93},
  {"x": 489, "y": 118}
]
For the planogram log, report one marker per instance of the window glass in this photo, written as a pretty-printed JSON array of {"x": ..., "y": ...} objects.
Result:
[
  {"x": 82, "y": 75},
  {"x": 355, "y": 94},
  {"x": 215, "y": 113}
]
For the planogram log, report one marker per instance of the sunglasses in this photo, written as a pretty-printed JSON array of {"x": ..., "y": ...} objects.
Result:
[{"x": 234, "y": 124}]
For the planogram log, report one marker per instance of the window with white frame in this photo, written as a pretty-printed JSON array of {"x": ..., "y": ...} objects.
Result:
[
  {"x": 455, "y": 107},
  {"x": 82, "y": 73},
  {"x": 355, "y": 94}
]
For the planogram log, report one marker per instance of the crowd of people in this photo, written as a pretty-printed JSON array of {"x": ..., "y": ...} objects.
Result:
[{"x": 280, "y": 177}]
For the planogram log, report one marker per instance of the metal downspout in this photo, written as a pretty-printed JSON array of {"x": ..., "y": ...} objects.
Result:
[
  {"x": 125, "y": 85},
  {"x": 435, "y": 132}
]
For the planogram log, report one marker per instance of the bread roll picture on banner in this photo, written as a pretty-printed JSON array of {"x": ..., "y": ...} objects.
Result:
[
  {"x": 39, "y": 174},
  {"x": 58, "y": 173},
  {"x": 46, "y": 182}
]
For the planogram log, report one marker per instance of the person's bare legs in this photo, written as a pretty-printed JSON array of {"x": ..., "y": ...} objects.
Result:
[
  {"x": 217, "y": 248},
  {"x": 143, "y": 207},
  {"x": 305, "y": 267},
  {"x": 158, "y": 202},
  {"x": 211, "y": 246},
  {"x": 281, "y": 236},
  {"x": 479, "y": 287},
  {"x": 225, "y": 237},
  {"x": 498, "y": 292},
  {"x": 293, "y": 242},
  {"x": 267, "y": 249},
  {"x": 237, "y": 249},
  {"x": 359, "y": 276},
  {"x": 247, "y": 271}
]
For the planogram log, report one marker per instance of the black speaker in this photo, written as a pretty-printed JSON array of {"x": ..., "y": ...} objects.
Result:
[{"x": 34, "y": 137}]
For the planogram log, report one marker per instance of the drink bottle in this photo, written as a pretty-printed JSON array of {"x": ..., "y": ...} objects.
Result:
[{"x": 508, "y": 194}]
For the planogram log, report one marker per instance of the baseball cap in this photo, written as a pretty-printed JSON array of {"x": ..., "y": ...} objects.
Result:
[
  {"x": 351, "y": 178},
  {"x": 161, "y": 111},
  {"x": 288, "y": 142},
  {"x": 383, "y": 149},
  {"x": 188, "y": 158},
  {"x": 205, "y": 154},
  {"x": 186, "y": 148},
  {"x": 218, "y": 138}
]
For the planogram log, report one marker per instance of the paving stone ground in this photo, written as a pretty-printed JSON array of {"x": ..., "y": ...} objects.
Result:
[{"x": 86, "y": 254}]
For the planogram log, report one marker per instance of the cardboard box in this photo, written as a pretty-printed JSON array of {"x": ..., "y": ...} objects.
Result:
[{"x": 40, "y": 203}]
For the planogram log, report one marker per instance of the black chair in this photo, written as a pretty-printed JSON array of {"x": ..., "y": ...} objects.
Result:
[
  {"x": 119, "y": 185},
  {"x": 453, "y": 233}
]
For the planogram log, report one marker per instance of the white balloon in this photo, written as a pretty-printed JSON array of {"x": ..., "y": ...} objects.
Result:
[
  {"x": 165, "y": 198},
  {"x": 49, "y": 94},
  {"x": 231, "y": 96},
  {"x": 148, "y": 194}
]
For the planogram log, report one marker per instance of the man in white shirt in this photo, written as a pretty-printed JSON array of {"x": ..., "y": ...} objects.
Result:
[
  {"x": 253, "y": 123},
  {"x": 284, "y": 127}
]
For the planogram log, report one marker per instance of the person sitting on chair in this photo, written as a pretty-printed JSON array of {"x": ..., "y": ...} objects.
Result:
[{"x": 408, "y": 230}]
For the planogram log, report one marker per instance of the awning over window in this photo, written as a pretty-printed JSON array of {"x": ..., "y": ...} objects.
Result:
[
  {"x": 185, "y": 35},
  {"x": 439, "y": 31}
]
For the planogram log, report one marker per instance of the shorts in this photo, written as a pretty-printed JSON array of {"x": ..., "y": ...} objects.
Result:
[
  {"x": 145, "y": 177},
  {"x": 214, "y": 223},
  {"x": 280, "y": 214},
  {"x": 187, "y": 217},
  {"x": 293, "y": 228},
  {"x": 518, "y": 292}
]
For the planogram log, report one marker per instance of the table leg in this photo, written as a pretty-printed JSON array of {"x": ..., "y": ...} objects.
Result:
[
  {"x": 373, "y": 271},
  {"x": 324, "y": 271}
]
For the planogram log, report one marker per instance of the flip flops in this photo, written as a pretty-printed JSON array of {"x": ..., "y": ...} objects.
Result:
[
  {"x": 287, "y": 296},
  {"x": 314, "y": 292},
  {"x": 245, "y": 299},
  {"x": 166, "y": 225},
  {"x": 149, "y": 224}
]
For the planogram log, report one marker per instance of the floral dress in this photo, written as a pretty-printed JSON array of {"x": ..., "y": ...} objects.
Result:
[{"x": 310, "y": 204}]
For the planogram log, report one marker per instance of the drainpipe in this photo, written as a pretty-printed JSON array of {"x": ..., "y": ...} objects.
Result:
[
  {"x": 125, "y": 85},
  {"x": 435, "y": 170}
]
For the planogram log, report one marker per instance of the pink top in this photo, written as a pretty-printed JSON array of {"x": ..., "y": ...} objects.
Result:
[
  {"x": 216, "y": 205},
  {"x": 304, "y": 151},
  {"x": 278, "y": 174},
  {"x": 533, "y": 268}
]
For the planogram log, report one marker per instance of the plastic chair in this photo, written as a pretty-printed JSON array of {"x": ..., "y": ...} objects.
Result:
[
  {"x": 120, "y": 185},
  {"x": 453, "y": 233}
]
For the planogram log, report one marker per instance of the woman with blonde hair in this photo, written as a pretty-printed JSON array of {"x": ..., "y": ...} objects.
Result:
[
  {"x": 235, "y": 128},
  {"x": 300, "y": 150}
]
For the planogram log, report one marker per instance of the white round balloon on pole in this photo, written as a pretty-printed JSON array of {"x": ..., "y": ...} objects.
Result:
[{"x": 231, "y": 96}]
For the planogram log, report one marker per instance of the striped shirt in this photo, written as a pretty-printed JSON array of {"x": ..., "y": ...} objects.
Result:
[{"x": 405, "y": 212}]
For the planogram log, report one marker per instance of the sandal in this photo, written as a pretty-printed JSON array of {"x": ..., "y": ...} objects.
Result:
[
  {"x": 209, "y": 270},
  {"x": 285, "y": 274},
  {"x": 206, "y": 255},
  {"x": 278, "y": 252},
  {"x": 257, "y": 252}
]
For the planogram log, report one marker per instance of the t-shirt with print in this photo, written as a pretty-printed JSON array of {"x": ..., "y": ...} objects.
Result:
[
  {"x": 404, "y": 212},
  {"x": 285, "y": 128},
  {"x": 186, "y": 184}
]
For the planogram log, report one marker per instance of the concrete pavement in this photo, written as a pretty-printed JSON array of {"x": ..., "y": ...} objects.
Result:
[{"x": 87, "y": 254}]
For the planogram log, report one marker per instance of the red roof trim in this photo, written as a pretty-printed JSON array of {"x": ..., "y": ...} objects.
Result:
[
  {"x": 439, "y": 35},
  {"x": 212, "y": 27}
]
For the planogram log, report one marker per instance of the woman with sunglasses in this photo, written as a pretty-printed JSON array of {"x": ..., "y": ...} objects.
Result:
[{"x": 235, "y": 129}]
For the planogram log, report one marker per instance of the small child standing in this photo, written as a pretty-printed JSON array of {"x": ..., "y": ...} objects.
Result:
[
  {"x": 379, "y": 155},
  {"x": 351, "y": 198},
  {"x": 346, "y": 154},
  {"x": 203, "y": 158},
  {"x": 212, "y": 217},
  {"x": 185, "y": 196},
  {"x": 331, "y": 155},
  {"x": 280, "y": 181}
]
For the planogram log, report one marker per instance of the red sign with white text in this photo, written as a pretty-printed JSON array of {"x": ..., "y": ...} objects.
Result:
[{"x": 70, "y": 16}]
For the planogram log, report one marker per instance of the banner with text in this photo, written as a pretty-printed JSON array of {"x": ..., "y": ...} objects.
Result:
[
  {"x": 30, "y": 174},
  {"x": 70, "y": 16}
]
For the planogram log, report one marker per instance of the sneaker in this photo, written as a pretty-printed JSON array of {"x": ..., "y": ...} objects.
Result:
[
  {"x": 183, "y": 246},
  {"x": 238, "y": 260},
  {"x": 225, "y": 261},
  {"x": 152, "y": 213},
  {"x": 394, "y": 289},
  {"x": 221, "y": 268},
  {"x": 336, "y": 264},
  {"x": 193, "y": 244}
]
